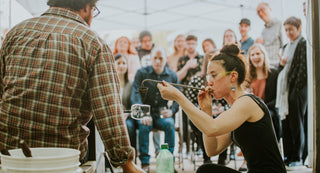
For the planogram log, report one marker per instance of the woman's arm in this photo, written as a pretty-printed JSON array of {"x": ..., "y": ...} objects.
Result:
[
  {"x": 217, "y": 144},
  {"x": 242, "y": 110}
]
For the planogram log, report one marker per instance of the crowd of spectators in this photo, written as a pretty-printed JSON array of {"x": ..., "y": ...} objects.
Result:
[{"x": 277, "y": 74}]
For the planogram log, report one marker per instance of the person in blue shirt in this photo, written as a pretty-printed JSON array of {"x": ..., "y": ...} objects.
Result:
[
  {"x": 246, "y": 41},
  {"x": 161, "y": 116}
]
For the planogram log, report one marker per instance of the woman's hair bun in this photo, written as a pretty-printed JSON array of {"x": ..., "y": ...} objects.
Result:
[{"x": 230, "y": 49}]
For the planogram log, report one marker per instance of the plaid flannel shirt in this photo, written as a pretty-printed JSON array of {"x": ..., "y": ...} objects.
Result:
[{"x": 55, "y": 75}]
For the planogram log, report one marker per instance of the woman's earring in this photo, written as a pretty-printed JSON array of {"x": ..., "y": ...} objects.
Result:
[{"x": 233, "y": 88}]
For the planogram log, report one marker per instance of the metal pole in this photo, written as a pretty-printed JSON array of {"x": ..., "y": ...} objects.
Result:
[
  {"x": 10, "y": 6},
  {"x": 310, "y": 83},
  {"x": 145, "y": 15}
]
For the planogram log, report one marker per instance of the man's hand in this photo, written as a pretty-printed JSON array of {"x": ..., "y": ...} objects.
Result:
[
  {"x": 166, "y": 113},
  {"x": 146, "y": 120},
  {"x": 192, "y": 63}
]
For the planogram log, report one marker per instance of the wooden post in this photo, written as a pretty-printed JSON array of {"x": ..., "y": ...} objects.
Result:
[{"x": 316, "y": 82}]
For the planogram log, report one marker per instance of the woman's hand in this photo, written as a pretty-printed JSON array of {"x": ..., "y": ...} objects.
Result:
[
  {"x": 283, "y": 60},
  {"x": 168, "y": 92},
  {"x": 205, "y": 100}
]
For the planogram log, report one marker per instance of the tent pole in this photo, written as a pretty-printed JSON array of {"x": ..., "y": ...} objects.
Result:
[
  {"x": 10, "y": 15},
  {"x": 316, "y": 79}
]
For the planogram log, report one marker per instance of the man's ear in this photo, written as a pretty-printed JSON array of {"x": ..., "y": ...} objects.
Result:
[{"x": 87, "y": 8}]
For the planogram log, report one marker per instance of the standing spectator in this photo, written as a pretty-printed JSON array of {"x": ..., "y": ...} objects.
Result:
[
  {"x": 292, "y": 95},
  {"x": 123, "y": 46},
  {"x": 246, "y": 41},
  {"x": 125, "y": 91},
  {"x": 157, "y": 71},
  {"x": 135, "y": 43},
  {"x": 199, "y": 80},
  {"x": 230, "y": 37},
  {"x": 188, "y": 66},
  {"x": 273, "y": 33},
  {"x": 208, "y": 44},
  {"x": 56, "y": 74},
  {"x": 179, "y": 51},
  {"x": 145, "y": 48},
  {"x": 263, "y": 83}
]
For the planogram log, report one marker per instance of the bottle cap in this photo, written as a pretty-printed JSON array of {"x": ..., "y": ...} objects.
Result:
[{"x": 165, "y": 146}]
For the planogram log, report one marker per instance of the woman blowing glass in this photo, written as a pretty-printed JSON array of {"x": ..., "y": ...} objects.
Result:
[{"x": 247, "y": 123}]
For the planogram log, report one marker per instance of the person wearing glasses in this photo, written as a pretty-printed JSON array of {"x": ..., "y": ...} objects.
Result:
[
  {"x": 273, "y": 34},
  {"x": 57, "y": 74},
  {"x": 247, "y": 123}
]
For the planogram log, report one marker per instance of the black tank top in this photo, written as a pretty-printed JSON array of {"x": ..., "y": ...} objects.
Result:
[{"x": 258, "y": 143}]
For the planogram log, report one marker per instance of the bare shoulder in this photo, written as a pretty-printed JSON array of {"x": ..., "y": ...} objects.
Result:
[{"x": 246, "y": 105}]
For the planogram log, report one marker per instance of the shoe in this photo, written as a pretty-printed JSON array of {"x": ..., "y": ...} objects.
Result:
[
  {"x": 175, "y": 171},
  {"x": 223, "y": 161},
  {"x": 146, "y": 168},
  {"x": 207, "y": 161},
  {"x": 292, "y": 166},
  {"x": 243, "y": 167}
]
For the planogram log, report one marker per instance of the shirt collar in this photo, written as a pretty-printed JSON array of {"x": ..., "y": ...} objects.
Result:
[
  {"x": 297, "y": 39},
  {"x": 65, "y": 13},
  {"x": 165, "y": 72}
]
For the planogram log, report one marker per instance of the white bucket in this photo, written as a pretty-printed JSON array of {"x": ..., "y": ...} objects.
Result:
[{"x": 48, "y": 160}]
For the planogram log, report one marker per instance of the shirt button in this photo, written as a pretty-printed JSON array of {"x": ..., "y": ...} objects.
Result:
[
  {"x": 157, "y": 93},
  {"x": 156, "y": 102}
]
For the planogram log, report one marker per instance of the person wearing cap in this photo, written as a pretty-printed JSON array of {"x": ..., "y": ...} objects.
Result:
[
  {"x": 145, "y": 48},
  {"x": 246, "y": 41},
  {"x": 273, "y": 35}
]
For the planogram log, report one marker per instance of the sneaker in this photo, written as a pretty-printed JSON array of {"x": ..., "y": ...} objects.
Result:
[
  {"x": 223, "y": 161},
  {"x": 146, "y": 168},
  {"x": 243, "y": 167},
  {"x": 207, "y": 161},
  {"x": 292, "y": 166}
]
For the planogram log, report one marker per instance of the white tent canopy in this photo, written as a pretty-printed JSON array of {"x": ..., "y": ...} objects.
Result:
[{"x": 204, "y": 18}]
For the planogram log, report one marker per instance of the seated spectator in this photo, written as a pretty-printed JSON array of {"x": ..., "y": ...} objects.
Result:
[
  {"x": 157, "y": 71},
  {"x": 123, "y": 46},
  {"x": 125, "y": 91}
]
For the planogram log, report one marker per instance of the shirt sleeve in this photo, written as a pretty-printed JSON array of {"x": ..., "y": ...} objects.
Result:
[
  {"x": 104, "y": 93},
  {"x": 135, "y": 95},
  {"x": 175, "y": 106}
]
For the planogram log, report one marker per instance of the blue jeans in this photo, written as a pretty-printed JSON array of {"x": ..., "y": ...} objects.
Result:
[
  {"x": 132, "y": 125},
  {"x": 164, "y": 124}
]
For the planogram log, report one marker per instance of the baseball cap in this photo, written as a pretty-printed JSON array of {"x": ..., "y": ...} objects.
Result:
[{"x": 246, "y": 21}]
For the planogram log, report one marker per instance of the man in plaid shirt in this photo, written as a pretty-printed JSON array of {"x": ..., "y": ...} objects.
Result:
[{"x": 55, "y": 75}]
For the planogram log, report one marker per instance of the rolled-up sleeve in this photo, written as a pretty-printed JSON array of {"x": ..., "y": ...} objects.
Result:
[{"x": 104, "y": 92}]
